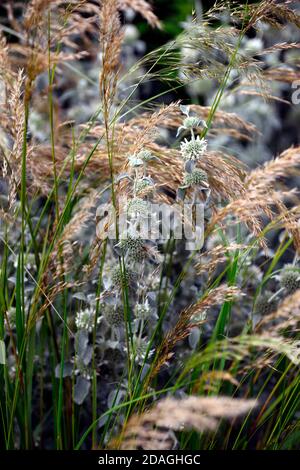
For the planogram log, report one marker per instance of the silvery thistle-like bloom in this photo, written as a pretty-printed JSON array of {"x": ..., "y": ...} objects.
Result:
[
  {"x": 139, "y": 349},
  {"x": 290, "y": 278},
  {"x": 85, "y": 319},
  {"x": 193, "y": 149},
  {"x": 114, "y": 315},
  {"x": 138, "y": 206},
  {"x": 265, "y": 304},
  {"x": 142, "y": 311},
  {"x": 122, "y": 279},
  {"x": 197, "y": 177},
  {"x": 141, "y": 158},
  {"x": 133, "y": 247},
  {"x": 190, "y": 122},
  {"x": 145, "y": 156},
  {"x": 144, "y": 185},
  {"x": 134, "y": 161}
]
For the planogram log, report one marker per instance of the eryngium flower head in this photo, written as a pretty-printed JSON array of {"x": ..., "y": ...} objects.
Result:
[
  {"x": 265, "y": 304},
  {"x": 144, "y": 185},
  {"x": 142, "y": 310},
  {"x": 137, "y": 250},
  {"x": 197, "y": 177},
  {"x": 290, "y": 279},
  {"x": 134, "y": 161},
  {"x": 140, "y": 348},
  {"x": 134, "y": 247},
  {"x": 85, "y": 319},
  {"x": 138, "y": 206},
  {"x": 191, "y": 122},
  {"x": 114, "y": 315},
  {"x": 145, "y": 155},
  {"x": 123, "y": 279},
  {"x": 193, "y": 149}
]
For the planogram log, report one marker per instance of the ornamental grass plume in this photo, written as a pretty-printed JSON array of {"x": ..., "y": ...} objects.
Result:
[
  {"x": 284, "y": 319},
  {"x": 151, "y": 430},
  {"x": 186, "y": 321}
]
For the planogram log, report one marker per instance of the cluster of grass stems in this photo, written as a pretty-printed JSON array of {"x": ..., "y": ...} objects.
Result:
[{"x": 27, "y": 417}]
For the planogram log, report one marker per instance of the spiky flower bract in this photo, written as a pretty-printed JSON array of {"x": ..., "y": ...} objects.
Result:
[
  {"x": 191, "y": 122},
  {"x": 85, "y": 319},
  {"x": 134, "y": 161},
  {"x": 142, "y": 310},
  {"x": 139, "y": 349},
  {"x": 193, "y": 149}
]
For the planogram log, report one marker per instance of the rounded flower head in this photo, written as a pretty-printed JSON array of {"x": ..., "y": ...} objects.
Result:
[
  {"x": 265, "y": 304},
  {"x": 143, "y": 185},
  {"x": 140, "y": 347},
  {"x": 122, "y": 279},
  {"x": 191, "y": 122},
  {"x": 134, "y": 247},
  {"x": 138, "y": 206},
  {"x": 193, "y": 149},
  {"x": 290, "y": 279},
  {"x": 143, "y": 310},
  {"x": 85, "y": 319},
  {"x": 145, "y": 155},
  {"x": 134, "y": 161},
  {"x": 114, "y": 315},
  {"x": 197, "y": 177},
  {"x": 140, "y": 158}
]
